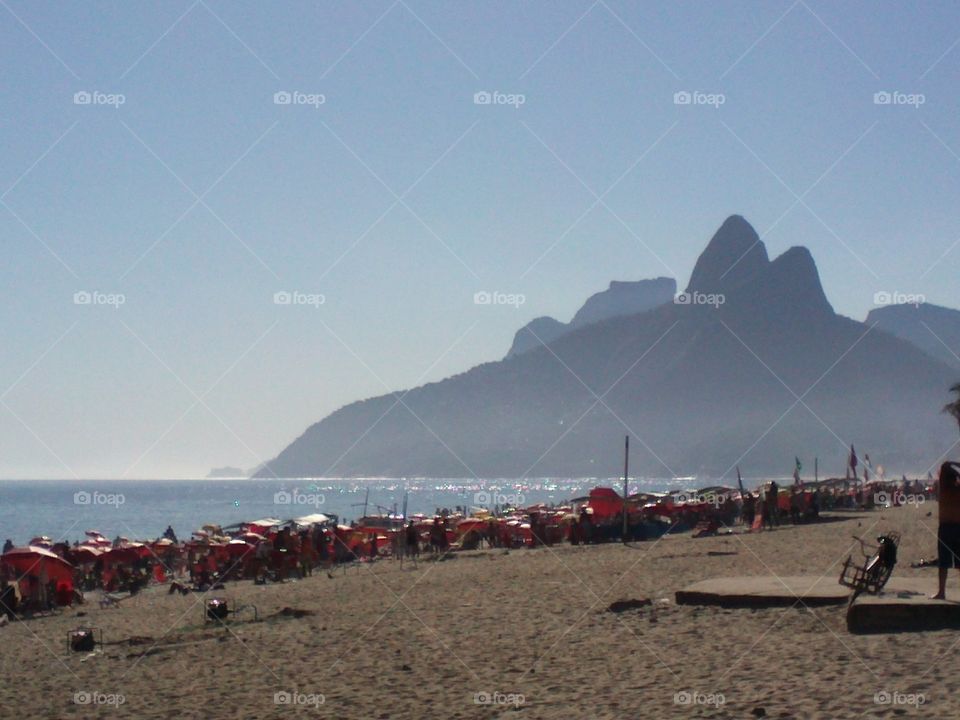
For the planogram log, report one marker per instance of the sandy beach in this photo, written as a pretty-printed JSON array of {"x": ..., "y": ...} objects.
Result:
[{"x": 527, "y": 632}]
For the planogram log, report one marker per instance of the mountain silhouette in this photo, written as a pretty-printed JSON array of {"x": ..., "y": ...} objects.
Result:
[
  {"x": 932, "y": 328},
  {"x": 621, "y": 298},
  {"x": 750, "y": 366}
]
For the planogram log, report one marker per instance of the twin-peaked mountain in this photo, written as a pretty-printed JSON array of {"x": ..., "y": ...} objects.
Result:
[{"x": 753, "y": 369}]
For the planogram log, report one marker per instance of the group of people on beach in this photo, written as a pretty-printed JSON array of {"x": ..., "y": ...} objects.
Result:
[{"x": 278, "y": 552}]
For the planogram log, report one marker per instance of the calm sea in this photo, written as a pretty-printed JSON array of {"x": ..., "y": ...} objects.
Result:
[{"x": 142, "y": 509}]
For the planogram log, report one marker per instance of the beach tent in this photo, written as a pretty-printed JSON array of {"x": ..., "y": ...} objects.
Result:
[
  {"x": 38, "y": 561},
  {"x": 262, "y": 525},
  {"x": 605, "y": 502},
  {"x": 238, "y": 548},
  {"x": 250, "y": 537}
]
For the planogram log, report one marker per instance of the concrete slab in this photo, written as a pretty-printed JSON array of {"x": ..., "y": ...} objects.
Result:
[
  {"x": 905, "y": 606},
  {"x": 765, "y": 591}
]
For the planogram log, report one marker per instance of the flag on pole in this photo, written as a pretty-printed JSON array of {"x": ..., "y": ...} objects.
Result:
[
  {"x": 796, "y": 470},
  {"x": 853, "y": 460}
]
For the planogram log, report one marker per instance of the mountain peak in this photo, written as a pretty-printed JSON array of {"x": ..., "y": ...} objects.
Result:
[
  {"x": 794, "y": 280},
  {"x": 734, "y": 256},
  {"x": 623, "y": 297}
]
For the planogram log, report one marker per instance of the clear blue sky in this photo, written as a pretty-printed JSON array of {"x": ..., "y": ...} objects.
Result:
[{"x": 398, "y": 197}]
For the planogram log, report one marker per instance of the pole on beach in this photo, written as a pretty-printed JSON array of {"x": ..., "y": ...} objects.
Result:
[
  {"x": 816, "y": 470},
  {"x": 403, "y": 531},
  {"x": 626, "y": 475}
]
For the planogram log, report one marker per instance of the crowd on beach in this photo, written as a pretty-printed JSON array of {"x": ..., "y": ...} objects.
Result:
[{"x": 44, "y": 575}]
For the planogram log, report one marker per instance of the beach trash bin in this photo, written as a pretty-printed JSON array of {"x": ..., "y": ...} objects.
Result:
[
  {"x": 217, "y": 609},
  {"x": 82, "y": 640}
]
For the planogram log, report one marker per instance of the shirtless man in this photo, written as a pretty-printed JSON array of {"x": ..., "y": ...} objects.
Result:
[{"x": 948, "y": 533}]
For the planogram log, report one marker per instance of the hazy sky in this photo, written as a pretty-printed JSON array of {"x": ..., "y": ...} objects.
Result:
[{"x": 185, "y": 191}]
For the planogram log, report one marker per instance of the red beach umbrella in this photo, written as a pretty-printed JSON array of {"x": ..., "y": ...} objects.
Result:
[
  {"x": 33, "y": 560},
  {"x": 83, "y": 554}
]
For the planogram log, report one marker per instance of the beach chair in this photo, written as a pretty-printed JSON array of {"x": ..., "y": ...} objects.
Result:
[
  {"x": 876, "y": 568},
  {"x": 112, "y": 600}
]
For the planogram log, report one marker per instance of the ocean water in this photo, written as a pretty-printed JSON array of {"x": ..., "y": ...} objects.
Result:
[{"x": 142, "y": 509}]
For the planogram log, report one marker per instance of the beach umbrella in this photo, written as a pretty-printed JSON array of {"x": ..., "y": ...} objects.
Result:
[
  {"x": 126, "y": 554},
  {"x": 471, "y": 523},
  {"x": 35, "y": 560},
  {"x": 238, "y": 548},
  {"x": 83, "y": 554}
]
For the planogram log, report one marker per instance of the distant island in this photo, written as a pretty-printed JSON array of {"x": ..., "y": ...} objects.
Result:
[{"x": 750, "y": 366}]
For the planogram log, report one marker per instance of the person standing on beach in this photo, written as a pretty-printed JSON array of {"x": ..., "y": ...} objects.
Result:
[
  {"x": 773, "y": 509},
  {"x": 948, "y": 531},
  {"x": 749, "y": 509}
]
